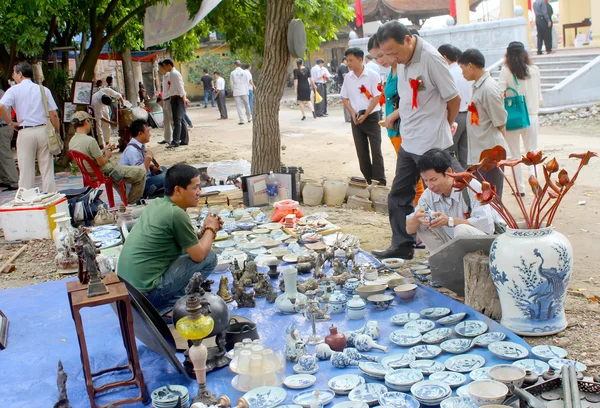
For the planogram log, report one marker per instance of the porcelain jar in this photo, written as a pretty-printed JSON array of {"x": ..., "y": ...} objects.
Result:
[
  {"x": 283, "y": 303},
  {"x": 335, "y": 340},
  {"x": 379, "y": 194},
  {"x": 312, "y": 194},
  {"x": 357, "y": 191},
  {"x": 356, "y": 308},
  {"x": 337, "y": 302},
  {"x": 531, "y": 270},
  {"x": 334, "y": 192},
  {"x": 350, "y": 285}
]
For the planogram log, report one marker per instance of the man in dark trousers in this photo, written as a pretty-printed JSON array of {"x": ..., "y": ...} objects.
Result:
[
  {"x": 341, "y": 73},
  {"x": 207, "y": 83},
  {"x": 176, "y": 91},
  {"x": 543, "y": 23}
]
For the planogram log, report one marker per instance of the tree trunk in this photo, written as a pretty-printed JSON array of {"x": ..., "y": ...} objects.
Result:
[
  {"x": 266, "y": 137},
  {"x": 480, "y": 291},
  {"x": 86, "y": 68},
  {"x": 130, "y": 85}
]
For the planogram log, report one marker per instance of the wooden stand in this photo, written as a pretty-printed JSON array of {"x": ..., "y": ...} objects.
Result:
[
  {"x": 117, "y": 293},
  {"x": 480, "y": 291}
]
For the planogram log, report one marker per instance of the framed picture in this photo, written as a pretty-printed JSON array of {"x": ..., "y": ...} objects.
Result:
[
  {"x": 82, "y": 92},
  {"x": 68, "y": 111},
  {"x": 3, "y": 330},
  {"x": 254, "y": 188}
]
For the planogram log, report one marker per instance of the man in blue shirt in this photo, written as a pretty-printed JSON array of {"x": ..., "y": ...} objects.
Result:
[{"x": 136, "y": 154}]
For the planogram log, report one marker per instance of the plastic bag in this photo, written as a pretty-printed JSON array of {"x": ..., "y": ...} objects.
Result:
[
  {"x": 318, "y": 97},
  {"x": 286, "y": 207}
]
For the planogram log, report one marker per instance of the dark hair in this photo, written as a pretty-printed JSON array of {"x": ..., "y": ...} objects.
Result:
[
  {"x": 320, "y": 61},
  {"x": 449, "y": 51},
  {"x": 106, "y": 100},
  {"x": 237, "y": 63},
  {"x": 414, "y": 31},
  {"x": 25, "y": 69},
  {"x": 161, "y": 63},
  {"x": 217, "y": 73},
  {"x": 373, "y": 43},
  {"x": 435, "y": 159},
  {"x": 168, "y": 61},
  {"x": 245, "y": 66},
  {"x": 137, "y": 127},
  {"x": 299, "y": 62},
  {"x": 98, "y": 83},
  {"x": 205, "y": 70},
  {"x": 109, "y": 80},
  {"x": 393, "y": 30},
  {"x": 179, "y": 175},
  {"x": 355, "y": 51},
  {"x": 472, "y": 56},
  {"x": 517, "y": 60},
  {"x": 344, "y": 58}
]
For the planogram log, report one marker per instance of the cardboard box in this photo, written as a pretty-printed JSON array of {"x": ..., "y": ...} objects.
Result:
[{"x": 25, "y": 222}]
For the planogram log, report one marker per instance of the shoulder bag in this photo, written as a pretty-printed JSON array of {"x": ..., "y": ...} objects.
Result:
[
  {"x": 516, "y": 107},
  {"x": 55, "y": 143}
]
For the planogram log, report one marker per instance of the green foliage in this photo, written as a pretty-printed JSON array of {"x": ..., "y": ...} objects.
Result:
[
  {"x": 212, "y": 62},
  {"x": 58, "y": 82}
]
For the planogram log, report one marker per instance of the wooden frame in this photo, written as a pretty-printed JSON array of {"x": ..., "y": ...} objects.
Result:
[
  {"x": 69, "y": 109},
  {"x": 3, "y": 330},
  {"x": 82, "y": 92}
]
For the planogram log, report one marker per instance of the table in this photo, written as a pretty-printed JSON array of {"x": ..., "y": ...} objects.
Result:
[{"x": 574, "y": 26}]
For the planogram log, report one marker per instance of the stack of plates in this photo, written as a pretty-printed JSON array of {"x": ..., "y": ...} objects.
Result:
[
  {"x": 374, "y": 370},
  {"x": 402, "y": 379},
  {"x": 430, "y": 393},
  {"x": 167, "y": 396}
]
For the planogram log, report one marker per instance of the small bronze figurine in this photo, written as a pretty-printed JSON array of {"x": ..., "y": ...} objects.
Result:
[
  {"x": 61, "y": 382},
  {"x": 243, "y": 298},
  {"x": 250, "y": 275},
  {"x": 262, "y": 286},
  {"x": 224, "y": 289}
]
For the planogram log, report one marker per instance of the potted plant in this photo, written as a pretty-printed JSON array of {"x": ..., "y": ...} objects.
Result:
[{"x": 531, "y": 263}]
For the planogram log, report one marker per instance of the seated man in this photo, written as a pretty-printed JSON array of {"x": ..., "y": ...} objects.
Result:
[
  {"x": 137, "y": 154},
  {"x": 442, "y": 213},
  {"x": 162, "y": 251},
  {"x": 81, "y": 142}
]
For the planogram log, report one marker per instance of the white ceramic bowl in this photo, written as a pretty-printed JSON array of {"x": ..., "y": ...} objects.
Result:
[
  {"x": 393, "y": 263},
  {"x": 222, "y": 264},
  {"x": 406, "y": 292},
  {"x": 507, "y": 374},
  {"x": 368, "y": 290},
  {"x": 486, "y": 392}
]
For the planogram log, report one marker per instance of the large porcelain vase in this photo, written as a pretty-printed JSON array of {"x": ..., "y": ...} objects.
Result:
[
  {"x": 283, "y": 302},
  {"x": 532, "y": 270}
]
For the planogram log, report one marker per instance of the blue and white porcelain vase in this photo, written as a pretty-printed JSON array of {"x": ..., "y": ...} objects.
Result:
[{"x": 531, "y": 269}]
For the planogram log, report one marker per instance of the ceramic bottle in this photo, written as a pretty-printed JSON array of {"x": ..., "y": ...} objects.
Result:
[
  {"x": 335, "y": 340},
  {"x": 355, "y": 355},
  {"x": 341, "y": 360},
  {"x": 283, "y": 302},
  {"x": 323, "y": 351},
  {"x": 364, "y": 342},
  {"x": 316, "y": 400},
  {"x": 530, "y": 378},
  {"x": 356, "y": 308},
  {"x": 550, "y": 374}
]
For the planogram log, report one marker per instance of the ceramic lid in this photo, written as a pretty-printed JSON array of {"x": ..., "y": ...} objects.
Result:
[{"x": 356, "y": 301}]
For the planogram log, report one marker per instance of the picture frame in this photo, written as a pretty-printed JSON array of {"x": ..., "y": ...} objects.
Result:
[
  {"x": 3, "y": 330},
  {"x": 82, "y": 92},
  {"x": 254, "y": 188},
  {"x": 69, "y": 109}
]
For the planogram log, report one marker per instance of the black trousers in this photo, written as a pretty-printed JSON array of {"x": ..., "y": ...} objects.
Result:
[
  {"x": 180, "y": 133},
  {"x": 221, "y": 104},
  {"x": 402, "y": 195},
  {"x": 495, "y": 178},
  {"x": 367, "y": 136},
  {"x": 321, "y": 108},
  {"x": 544, "y": 34},
  {"x": 461, "y": 142}
]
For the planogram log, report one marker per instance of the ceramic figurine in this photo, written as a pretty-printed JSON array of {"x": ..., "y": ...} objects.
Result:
[
  {"x": 224, "y": 289},
  {"x": 309, "y": 284},
  {"x": 318, "y": 272},
  {"x": 236, "y": 267},
  {"x": 338, "y": 267},
  {"x": 250, "y": 275},
  {"x": 243, "y": 298},
  {"x": 355, "y": 355},
  {"x": 271, "y": 294},
  {"x": 316, "y": 400},
  {"x": 295, "y": 346},
  {"x": 328, "y": 255},
  {"x": 349, "y": 256},
  {"x": 364, "y": 342},
  {"x": 340, "y": 360},
  {"x": 341, "y": 279},
  {"x": 66, "y": 259},
  {"x": 323, "y": 351},
  {"x": 530, "y": 378},
  {"x": 262, "y": 286},
  {"x": 337, "y": 341}
]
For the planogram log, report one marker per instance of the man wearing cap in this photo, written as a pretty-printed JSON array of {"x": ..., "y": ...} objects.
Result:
[
  {"x": 32, "y": 142},
  {"x": 320, "y": 76},
  {"x": 101, "y": 102},
  {"x": 135, "y": 176},
  {"x": 178, "y": 100}
]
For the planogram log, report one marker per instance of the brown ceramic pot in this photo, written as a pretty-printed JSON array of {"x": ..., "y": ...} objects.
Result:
[{"x": 335, "y": 340}]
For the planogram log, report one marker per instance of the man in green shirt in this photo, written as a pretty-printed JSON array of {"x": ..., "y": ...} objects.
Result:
[
  {"x": 162, "y": 252},
  {"x": 135, "y": 176}
]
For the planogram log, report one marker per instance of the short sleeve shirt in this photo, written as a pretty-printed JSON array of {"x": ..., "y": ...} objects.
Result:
[
  {"x": 239, "y": 82},
  {"x": 352, "y": 89},
  {"x": 207, "y": 82},
  {"x": 89, "y": 146},
  {"x": 98, "y": 107},
  {"x": 489, "y": 103},
  {"x": 26, "y": 99},
  {"x": 426, "y": 126},
  {"x": 160, "y": 236}
]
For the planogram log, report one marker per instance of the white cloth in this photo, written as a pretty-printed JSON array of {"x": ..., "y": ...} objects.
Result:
[
  {"x": 165, "y": 85},
  {"x": 26, "y": 99},
  {"x": 434, "y": 238},
  {"x": 531, "y": 87},
  {"x": 351, "y": 89},
  {"x": 373, "y": 66},
  {"x": 530, "y": 142},
  {"x": 239, "y": 82},
  {"x": 220, "y": 84},
  {"x": 98, "y": 108},
  {"x": 464, "y": 87},
  {"x": 318, "y": 72},
  {"x": 176, "y": 85},
  {"x": 32, "y": 143},
  {"x": 249, "y": 75}
]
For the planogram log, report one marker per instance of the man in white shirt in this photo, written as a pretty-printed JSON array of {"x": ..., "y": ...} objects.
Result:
[
  {"x": 461, "y": 143},
  {"x": 32, "y": 142},
  {"x": 166, "y": 105},
  {"x": 372, "y": 64},
  {"x": 176, "y": 93},
  {"x": 240, "y": 83},
  {"x": 101, "y": 100},
  {"x": 220, "y": 95},
  {"x": 320, "y": 76},
  {"x": 361, "y": 97},
  {"x": 252, "y": 87},
  {"x": 9, "y": 177}
]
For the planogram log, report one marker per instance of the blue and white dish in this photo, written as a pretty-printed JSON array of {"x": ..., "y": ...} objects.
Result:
[
  {"x": 452, "y": 319},
  {"x": 533, "y": 365},
  {"x": 405, "y": 338},
  {"x": 435, "y": 312},
  {"x": 558, "y": 363},
  {"x": 343, "y": 384},
  {"x": 304, "y": 398},
  {"x": 451, "y": 378},
  {"x": 168, "y": 396},
  {"x": 99, "y": 228},
  {"x": 457, "y": 346},
  {"x": 374, "y": 370},
  {"x": 403, "y": 379},
  {"x": 430, "y": 392},
  {"x": 398, "y": 400},
  {"x": 265, "y": 397},
  {"x": 245, "y": 226},
  {"x": 480, "y": 374},
  {"x": 403, "y": 318},
  {"x": 351, "y": 404},
  {"x": 458, "y": 402},
  {"x": 463, "y": 392},
  {"x": 396, "y": 361},
  {"x": 464, "y": 363},
  {"x": 425, "y": 351},
  {"x": 427, "y": 367},
  {"x": 421, "y": 325},
  {"x": 368, "y": 393},
  {"x": 299, "y": 381},
  {"x": 298, "y": 369},
  {"x": 107, "y": 238},
  {"x": 486, "y": 339},
  {"x": 547, "y": 353},
  {"x": 471, "y": 328},
  {"x": 437, "y": 335},
  {"x": 225, "y": 244},
  {"x": 507, "y": 350}
]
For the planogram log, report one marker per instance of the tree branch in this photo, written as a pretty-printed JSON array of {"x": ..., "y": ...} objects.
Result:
[
  {"x": 93, "y": 20},
  {"x": 109, "y": 9},
  {"x": 126, "y": 19},
  {"x": 49, "y": 36}
]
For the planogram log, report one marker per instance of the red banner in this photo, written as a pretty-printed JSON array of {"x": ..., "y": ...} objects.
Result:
[{"x": 359, "y": 13}]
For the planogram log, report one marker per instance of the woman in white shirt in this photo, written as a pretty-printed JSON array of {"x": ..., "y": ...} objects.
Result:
[{"x": 519, "y": 73}]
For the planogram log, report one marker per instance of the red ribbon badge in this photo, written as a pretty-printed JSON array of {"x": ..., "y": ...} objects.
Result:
[
  {"x": 365, "y": 91},
  {"x": 169, "y": 84},
  {"x": 324, "y": 78},
  {"x": 474, "y": 114},
  {"x": 416, "y": 84},
  {"x": 381, "y": 95}
]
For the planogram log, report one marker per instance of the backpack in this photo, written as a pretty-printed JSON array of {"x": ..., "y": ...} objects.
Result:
[
  {"x": 499, "y": 228},
  {"x": 84, "y": 204}
]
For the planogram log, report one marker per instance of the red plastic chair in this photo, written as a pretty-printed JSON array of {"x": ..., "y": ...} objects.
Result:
[{"x": 80, "y": 159}]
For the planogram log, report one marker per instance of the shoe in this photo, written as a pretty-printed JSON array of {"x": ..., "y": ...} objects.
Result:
[
  {"x": 404, "y": 252},
  {"x": 241, "y": 123},
  {"x": 163, "y": 142},
  {"x": 303, "y": 117},
  {"x": 314, "y": 114},
  {"x": 540, "y": 53},
  {"x": 549, "y": 52},
  {"x": 249, "y": 120},
  {"x": 221, "y": 119},
  {"x": 173, "y": 145},
  {"x": 205, "y": 106},
  {"x": 326, "y": 114},
  {"x": 11, "y": 188},
  {"x": 183, "y": 144}
]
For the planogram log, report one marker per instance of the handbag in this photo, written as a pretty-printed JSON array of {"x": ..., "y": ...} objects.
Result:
[
  {"x": 516, "y": 107},
  {"x": 55, "y": 143},
  {"x": 395, "y": 105}
]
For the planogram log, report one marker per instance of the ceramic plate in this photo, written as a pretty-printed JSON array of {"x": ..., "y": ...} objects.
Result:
[
  {"x": 425, "y": 351},
  {"x": 451, "y": 378},
  {"x": 403, "y": 318},
  {"x": 421, "y": 325},
  {"x": 427, "y": 366},
  {"x": 351, "y": 404},
  {"x": 488, "y": 338},
  {"x": 405, "y": 338},
  {"x": 265, "y": 397},
  {"x": 536, "y": 366},
  {"x": 480, "y": 374},
  {"x": 464, "y": 363},
  {"x": 458, "y": 402},
  {"x": 457, "y": 346},
  {"x": 273, "y": 226},
  {"x": 430, "y": 390},
  {"x": 507, "y": 350},
  {"x": 374, "y": 370},
  {"x": 404, "y": 376},
  {"x": 167, "y": 396},
  {"x": 298, "y": 370},
  {"x": 368, "y": 393},
  {"x": 224, "y": 244},
  {"x": 305, "y": 397},
  {"x": 397, "y": 361},
  {"x": 393, "y": 263},
  {"x": 435, "y": 312},
  {"x": 462, "y": 391},
  {"x": 557, "y": 363},
  {"x": 452, "y": 319},
  {"x": 471, "y": 328},
  {"x": 299, "y": 381},
  {"x": 398, "y": 399},
  {"x": 291, "y": 258},
  {"x": 343, "y": 384},
  {"x": 437, "y": 335},
  {"x": 547, "y": 353}
]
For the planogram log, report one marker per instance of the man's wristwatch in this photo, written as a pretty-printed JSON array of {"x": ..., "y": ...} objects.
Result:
[{"x": 451, "y": 222}]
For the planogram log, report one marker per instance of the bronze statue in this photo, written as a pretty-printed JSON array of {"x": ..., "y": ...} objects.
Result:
[
  {"x": 86, "y": 252},
  {"x": 224, "y": 289},
  {"x": 338, "y": 267},
  {"x": 271, "y": 294},
  {"x": 309, "y": 284},
  {"x": 243, "y": 298},
  {"x": 61, "y": 382},
  {"x": 262, "y": 286},
  {"x": 250, "y": 275}
]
